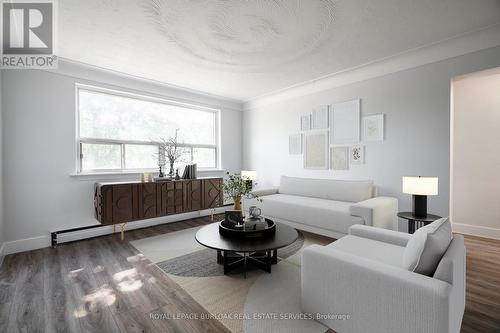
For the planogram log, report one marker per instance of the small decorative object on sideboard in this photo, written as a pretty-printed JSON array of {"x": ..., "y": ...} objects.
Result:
[
  {"x": 190, "y": 172},
  {"x": 161, "y": 162},
  {"x": 235, "y": 187},
  {"x": 170, "y": 149},
  {"x": 177, "y": 177},
  {"x": 146, "y": 178}
]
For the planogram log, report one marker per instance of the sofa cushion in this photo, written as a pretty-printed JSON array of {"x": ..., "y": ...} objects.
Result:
[
  {"x": 427, "y": 246},
  {"x": 340, "y": 190},
  {"x": 315, "y": 212},
  {"x": 386, "y": 253}
]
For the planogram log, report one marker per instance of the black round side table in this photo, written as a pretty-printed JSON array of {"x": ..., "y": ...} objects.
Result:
[{"x": 415, "y": 222}]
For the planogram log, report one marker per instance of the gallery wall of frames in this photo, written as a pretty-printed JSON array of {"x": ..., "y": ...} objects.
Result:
[{"x": 333, "y": 136}]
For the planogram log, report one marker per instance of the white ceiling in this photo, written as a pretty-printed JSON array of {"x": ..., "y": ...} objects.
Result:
[{"x": 241, "y": 49}]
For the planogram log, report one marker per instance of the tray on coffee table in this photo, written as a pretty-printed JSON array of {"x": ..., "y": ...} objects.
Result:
[{"x": 244, "y": 231}]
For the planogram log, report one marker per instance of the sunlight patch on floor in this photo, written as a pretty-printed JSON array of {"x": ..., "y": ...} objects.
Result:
[{"x": 104, "y": 296}]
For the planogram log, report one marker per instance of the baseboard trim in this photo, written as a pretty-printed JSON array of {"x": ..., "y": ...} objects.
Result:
[
  {"x": 40, "y": 242},
  {"x": 475, "y": 230},
  {"x": 27, "y": 244}
]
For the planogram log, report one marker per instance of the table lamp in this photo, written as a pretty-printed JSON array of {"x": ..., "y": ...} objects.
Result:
[
  {"x": 249, "y": 176},
  {"x": 420, "y": 187}
]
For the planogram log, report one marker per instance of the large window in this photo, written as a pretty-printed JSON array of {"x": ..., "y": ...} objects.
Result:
[{"x": 120, "y": 131}]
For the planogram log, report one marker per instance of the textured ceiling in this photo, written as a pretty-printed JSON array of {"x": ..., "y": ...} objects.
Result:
[{"x": 241, "y": 49}]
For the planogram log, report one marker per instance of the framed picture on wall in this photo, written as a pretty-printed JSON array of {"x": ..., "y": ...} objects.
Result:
[
  {"x": 305, "y": 122},
  {"x": 357, "y": 155},
  {"x": 319, "y": 117},
  {"x": 295, "y": 144},
  {"x": 373, "y": 127},
  {"x": 339, "y": 158},
  {"x": 345, "y": 122},
  {"x": 316, "y": 150}
]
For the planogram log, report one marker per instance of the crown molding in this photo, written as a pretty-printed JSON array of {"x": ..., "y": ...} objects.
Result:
[
  {"x": 84, "y": 71},
  {"x": 467, "y": 43}
]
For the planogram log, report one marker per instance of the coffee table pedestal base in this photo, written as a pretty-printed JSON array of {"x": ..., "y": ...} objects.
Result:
[{"x": 261, "y": 259}]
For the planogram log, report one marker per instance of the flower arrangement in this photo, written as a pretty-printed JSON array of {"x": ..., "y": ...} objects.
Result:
[{"x": 235, "y": 187}]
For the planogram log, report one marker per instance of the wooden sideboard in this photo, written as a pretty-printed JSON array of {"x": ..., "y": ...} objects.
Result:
[{"x": 119, "y": 203}]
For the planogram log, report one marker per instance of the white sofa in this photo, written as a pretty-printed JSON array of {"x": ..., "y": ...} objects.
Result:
[
  {"x": 367, "y": 275},
  {"x": 325, "y": 206}
]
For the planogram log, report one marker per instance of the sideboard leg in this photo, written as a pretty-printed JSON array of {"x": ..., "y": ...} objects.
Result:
[{"x": 122, "y": 232}]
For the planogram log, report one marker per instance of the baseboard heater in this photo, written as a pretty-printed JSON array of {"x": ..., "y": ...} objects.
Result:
[{"x": 137, "y": 224}]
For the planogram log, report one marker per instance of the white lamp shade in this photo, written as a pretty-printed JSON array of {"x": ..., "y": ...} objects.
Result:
[
  {"x": 420, "y": 185},
  {"x": 249, "y": 174}
]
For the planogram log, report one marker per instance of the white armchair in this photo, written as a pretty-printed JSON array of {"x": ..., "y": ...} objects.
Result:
[{"x": 360, "y": 276}]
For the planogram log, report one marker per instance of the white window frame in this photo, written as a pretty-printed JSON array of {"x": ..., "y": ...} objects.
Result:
[{"x": 81, "y": 140}]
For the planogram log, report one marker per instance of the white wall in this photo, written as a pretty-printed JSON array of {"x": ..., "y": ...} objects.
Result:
[
  {"x": 39, "y": 151},
  {"x": 416, "y": 103},
  {"x": 475, "y": 165}
]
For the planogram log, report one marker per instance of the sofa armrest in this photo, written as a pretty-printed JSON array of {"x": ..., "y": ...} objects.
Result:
[
  {"x": 378, "y": 297},
  {"x": 379, "y": 212},
  {"x": 382, "y": 235},
  {"x": 261, "y": 192}
]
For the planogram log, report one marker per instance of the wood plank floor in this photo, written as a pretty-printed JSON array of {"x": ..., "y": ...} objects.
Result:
[
  {"x": 105, "y": 285},
  {"x": 482, "y": 307},
  {"x": 96, "y": 285}
]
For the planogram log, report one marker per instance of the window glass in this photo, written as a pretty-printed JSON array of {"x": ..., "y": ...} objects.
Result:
[
  {"x": 100, "y": 156},
  {"x": 106, "y": 116},
  {"x": 141, "y": 156},
  {"x": 204, "y": 157},
  {"x": 124, "y": 131}
]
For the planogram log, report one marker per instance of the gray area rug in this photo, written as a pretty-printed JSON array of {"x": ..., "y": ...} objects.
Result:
[{"x": 203, "y": 263}]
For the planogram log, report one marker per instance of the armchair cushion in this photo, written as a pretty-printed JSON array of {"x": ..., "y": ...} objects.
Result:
[
  {"x": 378, "y": 251},
  {"x": 427, "y": 246},
  {"x": 382, "y": 235}
]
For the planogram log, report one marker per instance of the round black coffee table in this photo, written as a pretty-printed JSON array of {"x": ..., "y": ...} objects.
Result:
[{"x": 259, "y": 252}]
